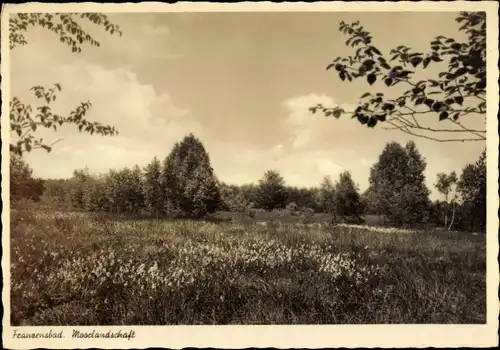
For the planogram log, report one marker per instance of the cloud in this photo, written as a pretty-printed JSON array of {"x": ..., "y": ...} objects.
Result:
[
  {"x": 238, "y": 163},
  {"x": 326, "y": 166},
  {"x": 141, "y": 43},
  {"x": 308, "y": 130},
  {"x": 148, "y": 121},
  {"x": 303, "y": 153}
]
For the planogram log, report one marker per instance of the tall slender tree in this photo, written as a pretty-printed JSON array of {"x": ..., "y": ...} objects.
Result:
[
  {"x": 153, "y": 188},
  {"x": 326, "y": 196},
  {"x": 347, "y": 198},
  {"x": 444, "y": 184}
]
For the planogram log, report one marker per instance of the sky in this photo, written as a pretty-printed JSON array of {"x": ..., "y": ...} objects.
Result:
[{"x": 241, "y": 82}]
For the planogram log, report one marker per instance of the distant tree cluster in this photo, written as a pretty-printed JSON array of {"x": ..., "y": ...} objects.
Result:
[
  {"x": 22, "y": 183},
  {"x": 184, "y": 185},
  {"x": 271, "y": 193}
]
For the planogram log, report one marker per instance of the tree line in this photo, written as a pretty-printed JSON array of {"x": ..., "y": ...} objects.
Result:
[{"x": 184, "y": 185}]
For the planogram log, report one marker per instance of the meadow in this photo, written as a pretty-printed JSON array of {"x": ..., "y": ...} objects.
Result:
[{"x": 72, "y": 268}]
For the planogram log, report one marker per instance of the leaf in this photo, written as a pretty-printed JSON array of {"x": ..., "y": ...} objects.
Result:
[
  {"x": 443, "y": 116},
  {"x": 455, "y": 116},
  {"x": 428, "y": 102},
  {"x": 47, "y": 148},
  {"x": 388, "y": 106},
  {"x": 368, "y": 63},
  {"x": 342, "y": 75},
  {"x": 384, "y": 64},
  {"x": 366, "y": 94},
  {"x": 405, "y": 73},
  {"x": 381, "y": 117},
  {"x": 419, "y": 100},
  {"x": 460, "y": 71},
  {"x": 459, "y": 100},
  {"x": 375, "y": 50},
  {"x": 433, "y": 82},
  {"x": 331, "y": 65},
  {"x": 436, "y": 107},
  {"x": 388, "y": 81},
  {"x": 481, "y": 84},
  {"x": 372, "y": 122},
  {"x": 415, "y": 61},
  {"x": 363, "y": 119},
  {"x": 371, "y": 78}
]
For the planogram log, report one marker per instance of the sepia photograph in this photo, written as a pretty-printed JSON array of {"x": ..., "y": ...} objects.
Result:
[{"x": 164, "y": 166}]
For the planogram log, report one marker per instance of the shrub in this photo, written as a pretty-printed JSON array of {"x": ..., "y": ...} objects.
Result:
[{"x": 291, "y": 206}]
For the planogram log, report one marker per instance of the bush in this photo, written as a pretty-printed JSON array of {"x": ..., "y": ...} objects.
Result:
[
  {"x": 308, "y": 211},
  {"x": 22, "y": 183},
  {"x": 291, "y": 206}
]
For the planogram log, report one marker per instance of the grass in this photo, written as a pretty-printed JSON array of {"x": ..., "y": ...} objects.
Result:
[{"x": 79, "y": 269}]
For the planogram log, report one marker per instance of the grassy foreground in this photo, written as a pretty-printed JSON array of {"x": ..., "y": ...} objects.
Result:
[{"x": 79, "y": 269}]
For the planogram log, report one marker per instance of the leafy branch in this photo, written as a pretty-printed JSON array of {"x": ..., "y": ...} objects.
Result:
[
  {"x": 454, "y": 93},
  {"x": 61, "y": 24},
  {"x": 24, "y": 121}
]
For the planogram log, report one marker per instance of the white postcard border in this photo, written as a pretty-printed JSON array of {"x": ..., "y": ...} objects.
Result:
[{"x": 301, "y": 336}]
